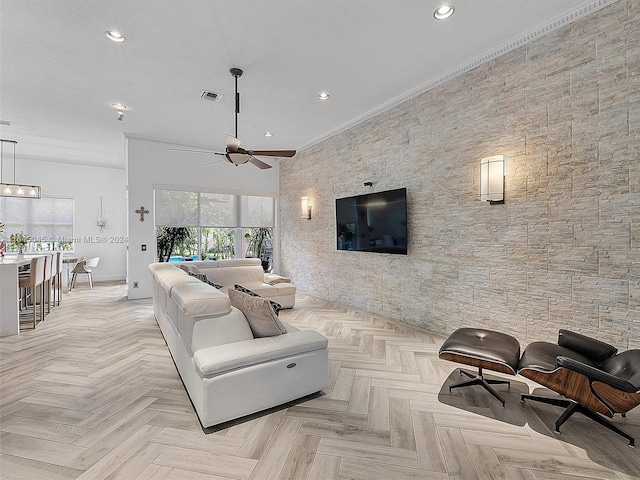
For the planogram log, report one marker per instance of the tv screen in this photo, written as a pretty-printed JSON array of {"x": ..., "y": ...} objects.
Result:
[{"x": 376, "y": 222}]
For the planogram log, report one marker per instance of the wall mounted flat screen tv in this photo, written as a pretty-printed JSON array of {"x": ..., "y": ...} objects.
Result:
[{"x": 375, "y": 222}]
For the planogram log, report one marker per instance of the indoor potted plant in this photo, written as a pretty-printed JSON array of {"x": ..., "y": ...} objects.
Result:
[{"x": 19, "y": 241}]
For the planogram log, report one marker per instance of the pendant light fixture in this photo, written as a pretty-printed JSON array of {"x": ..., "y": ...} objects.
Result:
[{"x": 15, "y": 189}]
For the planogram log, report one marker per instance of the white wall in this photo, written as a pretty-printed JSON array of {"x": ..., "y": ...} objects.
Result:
[
  {"x": 85, "y": 184},
  {"x": 150, "y": 163}
]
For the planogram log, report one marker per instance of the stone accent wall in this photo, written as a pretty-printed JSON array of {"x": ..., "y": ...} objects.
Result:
[{"x": 564, "y": 249}]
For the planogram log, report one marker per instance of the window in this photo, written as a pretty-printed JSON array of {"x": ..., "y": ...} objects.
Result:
[
  {"x": 47, "y": 221},
  {"x": 204, "y": 225},
  {"x": 256, "y": 212}
]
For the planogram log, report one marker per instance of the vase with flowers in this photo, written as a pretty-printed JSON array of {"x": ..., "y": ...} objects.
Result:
[{"x": 19, "y": 241}]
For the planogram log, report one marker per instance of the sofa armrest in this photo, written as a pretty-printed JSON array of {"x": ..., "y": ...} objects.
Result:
[
  {"x": 212, "y": 361},
  {"x": 273, "y": 278},
  {"x": 595, "y": 374}
]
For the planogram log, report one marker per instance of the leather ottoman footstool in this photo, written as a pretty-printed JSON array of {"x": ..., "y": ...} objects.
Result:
[{"x": 482, "y": 349}]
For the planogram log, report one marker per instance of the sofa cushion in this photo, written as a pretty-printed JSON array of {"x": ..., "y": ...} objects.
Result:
[
  {"x": 228, "y": 276},
  {"x": 272, "y": 279},
  {"x": 157, "y": 267},
  {"x": 198, "y": 299},
  {"x": 168, "y": 279},
  {"x": 240, "y": 262},
  {"x": 284, "y": 288},
  {"x": 210, "y": 331},
  {"x": 232, "y": 356},
  {"x": 262, "y": 289},
  {"x": 259, "y": 313}
]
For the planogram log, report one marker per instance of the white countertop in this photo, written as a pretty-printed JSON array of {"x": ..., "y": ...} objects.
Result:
[{"x": 18, "y": 260}]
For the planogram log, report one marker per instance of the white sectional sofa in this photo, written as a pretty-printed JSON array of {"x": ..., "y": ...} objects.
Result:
[
  {"x": 227, "y": 372},
  {"x": 248, "y": 272}
]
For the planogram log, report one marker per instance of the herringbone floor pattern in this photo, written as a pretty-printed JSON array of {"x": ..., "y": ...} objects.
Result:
[{"x": 92, "y": 393}]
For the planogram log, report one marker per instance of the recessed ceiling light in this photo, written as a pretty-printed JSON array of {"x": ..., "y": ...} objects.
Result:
[
  {"x": 119, "y": 106},
  {"x": 445, "y": 11},
  {"x": 268, "y": 134},
  {"x": 114, "y": 35},
  {"x": 323, "y": 96}
]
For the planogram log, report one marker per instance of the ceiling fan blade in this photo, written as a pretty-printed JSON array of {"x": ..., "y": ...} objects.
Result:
[
  {"x": 232, "y": 143},
  {"x": 190, "y": 150},
  {"x": 259, "y": 163},
  {"x": 273, "y": 153},
  {"x": 210, "y": 163}
]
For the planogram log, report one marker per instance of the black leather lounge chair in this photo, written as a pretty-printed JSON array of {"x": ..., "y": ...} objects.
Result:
[{"x": 593, "y": 379}]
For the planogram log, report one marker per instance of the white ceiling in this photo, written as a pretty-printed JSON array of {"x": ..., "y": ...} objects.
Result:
[{"x": 59, "y": 75}]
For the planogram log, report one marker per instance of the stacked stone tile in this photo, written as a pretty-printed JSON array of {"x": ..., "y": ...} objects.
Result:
[{"x": 562, "y": 252}]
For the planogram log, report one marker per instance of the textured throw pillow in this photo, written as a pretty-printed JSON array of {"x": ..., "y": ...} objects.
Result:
[
  {"x": 200, "y": 276},
  {"x": 258, "y": 311},
  {"x": 203, "y": 278},
  {"x": 213, "y": 284},
  {"x": 276, "y": 306}
]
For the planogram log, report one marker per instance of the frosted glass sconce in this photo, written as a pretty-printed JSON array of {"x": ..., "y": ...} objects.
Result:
[
  {"x": 305, "y": 208},
  {"x": 492, "y": 179}
]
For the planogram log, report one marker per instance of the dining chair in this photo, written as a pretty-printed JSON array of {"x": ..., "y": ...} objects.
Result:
[
  {"x": 84, "y": 267},
  {"x": 35, "y": 278}
]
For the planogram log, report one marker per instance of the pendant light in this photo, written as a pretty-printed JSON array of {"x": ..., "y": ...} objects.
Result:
[{"x": 15, "y": 189}]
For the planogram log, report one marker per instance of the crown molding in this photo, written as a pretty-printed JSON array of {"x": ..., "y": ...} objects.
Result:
[
  {"x": 587, "y": 8},
  {"x": 83, "y": 163}
]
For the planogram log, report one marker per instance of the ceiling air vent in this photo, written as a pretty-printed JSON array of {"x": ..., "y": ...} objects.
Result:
[{"x": 213, "y": 96}]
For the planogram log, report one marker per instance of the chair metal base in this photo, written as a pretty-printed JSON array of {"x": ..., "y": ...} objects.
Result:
[
  {"x": 574, "y": 407},
  {"x": 485, "y": 383}
]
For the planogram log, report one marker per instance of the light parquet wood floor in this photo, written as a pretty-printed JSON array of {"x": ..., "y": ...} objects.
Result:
[{"x": 92, "y": 393}]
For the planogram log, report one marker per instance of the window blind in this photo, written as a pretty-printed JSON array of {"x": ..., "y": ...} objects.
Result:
[
  {"x": 199, "y": 209},
  {"x": 44, "y": 220}
]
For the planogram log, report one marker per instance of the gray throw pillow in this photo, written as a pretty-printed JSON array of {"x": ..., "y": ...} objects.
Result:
[
  {"x": 276, "y": 306},
  {"x": 189, "y": 268},
  {"x": 262, "y": 319}
]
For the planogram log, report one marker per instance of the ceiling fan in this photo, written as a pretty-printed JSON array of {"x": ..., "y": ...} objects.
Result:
[{"x": 236, "y": 155}]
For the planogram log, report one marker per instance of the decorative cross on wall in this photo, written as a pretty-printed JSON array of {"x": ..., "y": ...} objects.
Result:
[{"x": 142, "y": 211}]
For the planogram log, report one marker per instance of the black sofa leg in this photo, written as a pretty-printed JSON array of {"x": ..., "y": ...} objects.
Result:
[
  {"x": 573, "y": 407},
  {"x": 484, "y": 383}
]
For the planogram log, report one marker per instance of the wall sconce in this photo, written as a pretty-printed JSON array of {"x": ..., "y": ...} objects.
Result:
[
  {"x": 492, "y": 179},
  {"x": 305, "y": 208},
  {"x": 101, "y": 221},
  {"x": 14, "y": 189}
]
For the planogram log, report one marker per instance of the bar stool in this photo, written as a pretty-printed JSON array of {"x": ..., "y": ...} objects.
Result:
[
  {"x": 58, "y": 268},
  {"x": 35, "y": 278},
  {"x": 48, "y": 279}
]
